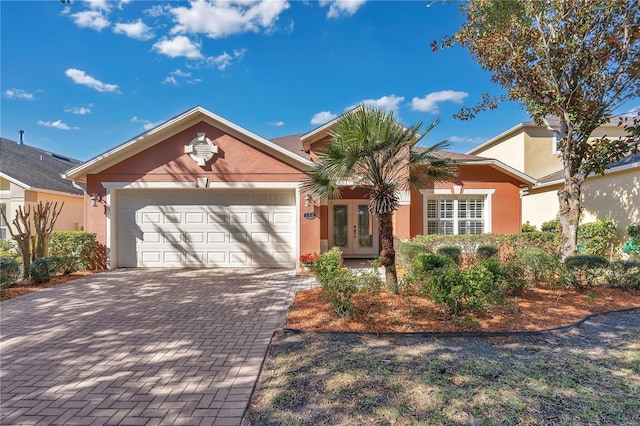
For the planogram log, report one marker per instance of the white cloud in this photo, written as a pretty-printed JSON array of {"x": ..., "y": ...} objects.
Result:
[
  {"x": 180, "y": 73},
  {"x": 219, "y": 19},
  {"x": 146, "y": 124},
  {"x": 466, "y": 139},
  {"x": 339, "y": 8},
  {"x": 157, "y": 10},
  {"x": 80, "y": 77},
  {"x": 276, "y": 123},
  {"x": 223, "y": 60},
  {"x": 98, "y": 4},
  {"x": 194, "y": 81},
  {"x": 79, "y": 110},
  {"x": 122, "y": 3},
  {"x": 170, "y": 80},
  {"x": 93, "y": 19},
  {"x": 137, "y": 30},
  {"x": 18, "y": 94},
  {"x": 389, "y": 103},
  {"x": 178, "y": 46},
  {"x": 322, "y": 117},
  {"x": 430, "y": 102},
  {"x": 58, "y": 124}
]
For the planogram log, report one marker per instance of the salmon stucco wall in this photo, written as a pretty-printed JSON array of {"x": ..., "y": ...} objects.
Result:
[
  {"x": 166, "y": 161},
  {"x": 71, "y": 216},
  {"x": 310, "y": 229},
  {"x": 506, "y": 210}
]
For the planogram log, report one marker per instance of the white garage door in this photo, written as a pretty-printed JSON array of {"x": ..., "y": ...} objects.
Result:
[{"x": 206, "y": 228}]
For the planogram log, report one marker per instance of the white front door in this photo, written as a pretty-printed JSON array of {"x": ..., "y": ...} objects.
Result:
[{"x": 353, "y": 229}]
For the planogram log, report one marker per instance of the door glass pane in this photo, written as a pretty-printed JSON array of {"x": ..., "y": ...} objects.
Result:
[
  {"x": 340, "y": 225},
  {"x": 365, "y": 231}
]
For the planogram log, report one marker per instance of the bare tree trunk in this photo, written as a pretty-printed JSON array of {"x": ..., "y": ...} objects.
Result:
[
  {"x": 22, "y": 235},
  {"x": 388, "y": 252},
  {"x": 569, "y": 216},
  {"x": 44, "y": 217}
]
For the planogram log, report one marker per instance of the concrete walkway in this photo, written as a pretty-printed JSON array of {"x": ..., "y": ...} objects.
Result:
[{"x": 141, "y": 347}]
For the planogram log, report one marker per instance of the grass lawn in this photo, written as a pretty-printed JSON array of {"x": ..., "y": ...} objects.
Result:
[{"x": 589, "y": 374}]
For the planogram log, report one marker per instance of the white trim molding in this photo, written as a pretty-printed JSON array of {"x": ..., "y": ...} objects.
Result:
[
  {"x": 451, "y": 194},
  {"x": 404, "y": 198}
]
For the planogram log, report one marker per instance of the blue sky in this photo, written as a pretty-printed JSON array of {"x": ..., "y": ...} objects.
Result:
[{"x": 82, "y": 78}]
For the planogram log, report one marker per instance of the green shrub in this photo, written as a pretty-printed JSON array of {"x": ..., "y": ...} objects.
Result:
[
  {"x": 596, "y": 238},
  {"x": 634, "y": 230},
  {"x": 527, "y": 227},
  {"x": 369, "y": 281},
  {"x": 62, "y": 264},
  {"x": 551, "y": 226},
  {"x": 327, "y": 265},
  {"x": 452, "y": 252},
  {"x": 586, "y": 270},
  {"x": 512, "y": 278},
  {"x": 480, "y": 286},
  {"x": 9, "y": 272},
  {"x": 9, "y": 249},
  {"x": 486, "y": 252},
  {"x": 80, "y": 245},
  {"x": 624, "y": 274},
  {"x": 339, "y": 291},
  {"x": 407, "y": 251},
  {"x": 547, "y": 241},
  {"x": 424, "y": 263},
  {"x": 538, "y": 264},
  {"x": 39, "y": 271},
  {"x": 447, "y": 287}
]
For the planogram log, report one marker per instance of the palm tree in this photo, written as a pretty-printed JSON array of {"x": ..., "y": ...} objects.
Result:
[{"x": 370, "y": 149}]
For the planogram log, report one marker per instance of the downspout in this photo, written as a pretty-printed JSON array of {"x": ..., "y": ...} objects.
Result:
[{"x": 84, "y": 210}]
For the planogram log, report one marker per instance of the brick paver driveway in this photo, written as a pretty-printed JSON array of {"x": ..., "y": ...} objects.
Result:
[{"x": 140, "y": 347}]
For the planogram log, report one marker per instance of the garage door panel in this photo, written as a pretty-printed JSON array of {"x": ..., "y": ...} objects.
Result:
[
  {"x": 216, "y": 237},
  {"x": 216, "y": 218},
  {"x": 239, "y": 258},
  {"x": 238, "y": 238},
  {"x": 195, "y": 237},
  {"x": 193, "y": 217},
  {"x": 168, "y": 228}
]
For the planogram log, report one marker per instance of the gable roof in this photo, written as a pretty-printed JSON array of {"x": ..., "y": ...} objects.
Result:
[
  {"x": 35, "y": 169},
  {"x": 175, "y": 125},
  {"x": 629, "y": 162},
  {"x": 553, "y": 123},
  {"x": 467, "y": 159}
]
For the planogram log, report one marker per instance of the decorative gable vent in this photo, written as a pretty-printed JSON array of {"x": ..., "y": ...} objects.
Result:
[{"x": 201, "y": 149}]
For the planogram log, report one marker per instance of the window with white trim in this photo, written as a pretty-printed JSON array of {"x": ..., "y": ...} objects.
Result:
[{"x": 455, "y": 215}]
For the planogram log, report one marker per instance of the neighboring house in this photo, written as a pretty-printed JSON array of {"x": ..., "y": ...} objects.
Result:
[
  {"x": 532, "y": 149},
  {"x": 201, "y": 191},
  {"x": 29, "y": 175}
]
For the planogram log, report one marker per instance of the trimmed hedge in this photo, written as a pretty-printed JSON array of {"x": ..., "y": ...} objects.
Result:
[
  {"x": 586, "y": 270},
  {"x": 486, "y": 252},
  {"x": 452, "y": 252},
  {"x": 547, "y": 241},
  {"x": 9, "y": 272},
  {"x": 81, "y": 246},
  {"x": 39, "y": 270}
]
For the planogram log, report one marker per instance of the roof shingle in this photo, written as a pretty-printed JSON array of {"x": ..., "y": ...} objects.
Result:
[{"x": 35, "y": 167}]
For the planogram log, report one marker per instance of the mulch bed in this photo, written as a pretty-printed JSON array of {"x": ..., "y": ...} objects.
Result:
[{"x": 533, "y": 309}]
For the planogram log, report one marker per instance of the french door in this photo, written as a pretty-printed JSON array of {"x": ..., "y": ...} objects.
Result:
[{"x": 353, "y": 229}]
